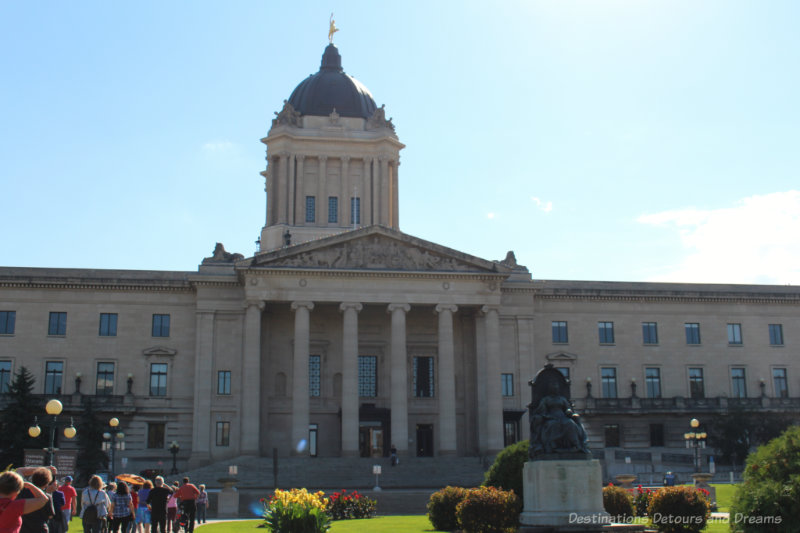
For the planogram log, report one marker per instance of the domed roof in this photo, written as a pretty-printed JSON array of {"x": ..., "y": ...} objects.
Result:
[{"x": 331, "y": 88}]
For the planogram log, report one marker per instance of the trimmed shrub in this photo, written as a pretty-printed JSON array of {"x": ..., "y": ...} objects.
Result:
[
  {"x": 442, "y": 508},
  {"x": 617, "y": 502},
  {"x": 679, "y": 509},
  {"x": 489, "y": 510},
  {"x": 769, "y": 498},
  {"x": 506, "y": 471},
  {"x": 344, "y": 506}
]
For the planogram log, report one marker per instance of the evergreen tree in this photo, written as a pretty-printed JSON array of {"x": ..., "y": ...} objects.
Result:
[
  {"x": 17, "y": 417},
  {"x": 91, "y": 457}
]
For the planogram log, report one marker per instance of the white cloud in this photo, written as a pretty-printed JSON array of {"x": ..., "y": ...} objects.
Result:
[
  {"x": 541, "y": 204},
  {"x": 755, "y": 241},
  {"x": 218, "y": 146}
]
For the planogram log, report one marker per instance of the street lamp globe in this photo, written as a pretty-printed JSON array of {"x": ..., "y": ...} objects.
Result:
[
  {"x": 107, "y": 435},
  {"x": 53, "y": 407},
  {"x": 34, "y": 431},
  {"x": 695, "y": 423},
  {"x": 70, "y": 432},
  {"x": 114, "y": 422}
]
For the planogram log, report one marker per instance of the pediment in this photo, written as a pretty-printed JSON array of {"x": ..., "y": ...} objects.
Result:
[
  {"x": 159, "y": 350},
  {"x": 563, "y": 357},
  {"x": 375, "y": 248}
]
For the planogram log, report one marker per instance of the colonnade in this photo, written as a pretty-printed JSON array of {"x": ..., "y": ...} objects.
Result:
[
  {"x": 490, "y": 422},
  {"x": 376, "y": 187}
]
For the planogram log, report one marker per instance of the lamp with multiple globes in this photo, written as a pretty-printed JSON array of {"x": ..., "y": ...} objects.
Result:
[
  {"x": 174, "y": 448},
  {"x": 113, "y": 440},
  {"x": 53, "y": 408},
  {"x": 696, "y": 440}
]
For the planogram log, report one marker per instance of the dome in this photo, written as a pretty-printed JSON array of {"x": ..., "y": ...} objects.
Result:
[{"x": 331, "y": 88}]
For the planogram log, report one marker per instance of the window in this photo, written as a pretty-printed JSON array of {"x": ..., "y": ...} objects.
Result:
[
  {"x": 160, "y": 325},
  {"x": 564, "y": 371},
  {"x": 608, "y": 377},
  {"x": 649, "y": 333},
  {"x": 692, "y": 333},
  {"x": 652, "y": 379},
  {"x": 223, "y": 433},
  {"x": 53, "y": 374},
  {"x": 155, "y": 435},
  {"x": 606, "y": 332},
  {"x": 367, "y": 376},
  {"x": 738, "y": 383},
  {"x": 697, "y": 388},
  {"x": 108, "y": 324},
  {"x": 780, "y": 382},
  {"x": 355, "y": 210},
  {"x": 7, "y": 320},
  {"x": 5, "y": 376},
  {"x": 158, "y": 379},
  {"x": 559, "y": 332},
  {"x": 105, "y": 379},
  {"x": 333, "y": 210},
  {"x": 58, "y": 324},
  {"x": 311, "y": 208},
  {"x": 508, "y": 384},
  {"x": 656, "y": 434},
  {"x": 611, "y": 433},
  {"x": 734, "y": 334},
  {"x": 224, "y": 382},
  {"x": 423, "y": 377},
  {"x": 314, "y": 375},
  {"x": 775, "y": 333}
]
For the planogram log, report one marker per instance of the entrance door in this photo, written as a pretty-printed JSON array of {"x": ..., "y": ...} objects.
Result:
[
  {"x": 376, "y": 442},
  {"x": 371, "y": 439},
  {"x": 424, "y": 440}
]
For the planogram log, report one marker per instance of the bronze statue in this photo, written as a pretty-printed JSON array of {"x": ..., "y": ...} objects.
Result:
[
  {"x": 332, "y": 29},
  {"x": 556, "y": 430}
]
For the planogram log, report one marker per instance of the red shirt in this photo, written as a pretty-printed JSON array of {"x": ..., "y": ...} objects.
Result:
[
  {"x": 69, "y": 495},
  {"x": 135, "y": 498},
  {"x": 186, "y": 492},
  {"x": 11, "y": 515}
]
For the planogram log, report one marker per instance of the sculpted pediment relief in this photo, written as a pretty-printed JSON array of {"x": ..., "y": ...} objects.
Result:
[
  {"x": 379, "y": 252},
  {"x": 159, "y": 350},
  {"x": 561, "y": 357}
]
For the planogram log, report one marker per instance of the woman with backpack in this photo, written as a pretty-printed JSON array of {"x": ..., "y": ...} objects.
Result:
[{"x": 94, "y": 506}]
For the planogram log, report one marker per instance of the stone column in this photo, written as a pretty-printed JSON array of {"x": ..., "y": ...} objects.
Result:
[
  {"x": 282, "y": 182},
  {"x": 322, "y": 186},
  {"x": 300, "y": 192},
  {"x": 204, "y": 378},
  {"x": 366, "y": 194},
  {"x": 290, "y": 183},
  {"x": 344, "y": 194},
  {"x": 399, "y": 380},
  {"x": 494, "y": 402},
  {"x": 376, "y": 192},
  {"x": 447, "y": 381},
  {"x": 385, "y": 193},
  {"x": 270, "y": 197},
  {"x": 350, "y": 378},
  {"x": 395, "y": 194},
  {"x": 250, "y": 420},
  {"x": 300, "y": 401}
]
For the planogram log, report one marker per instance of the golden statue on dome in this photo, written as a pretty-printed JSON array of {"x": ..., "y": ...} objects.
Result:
[{"x": 332, "y": 29}]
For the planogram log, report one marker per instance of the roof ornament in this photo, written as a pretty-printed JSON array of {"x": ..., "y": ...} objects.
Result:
[
  {"x": 332, "y": 29},
  {"x": 288, "y": 115},
  {"x": 378, "y": 120}
]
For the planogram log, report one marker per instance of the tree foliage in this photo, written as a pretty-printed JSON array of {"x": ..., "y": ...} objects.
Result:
[
  {"x": 733, "y": 435},
  {"x": 91, "y": 457},
  {"x": 506, "y": 471},
  {"x": 17, "y": 417}
]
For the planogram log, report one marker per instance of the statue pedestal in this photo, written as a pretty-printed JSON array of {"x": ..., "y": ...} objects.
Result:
[
  {"x": 228, "y": 501},
  {"x": 563, "y": 495}
]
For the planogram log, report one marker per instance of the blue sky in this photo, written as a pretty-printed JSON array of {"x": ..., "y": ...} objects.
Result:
[{"x": 601, "y": 140}]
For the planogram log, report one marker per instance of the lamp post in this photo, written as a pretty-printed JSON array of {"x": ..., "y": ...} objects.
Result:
[
  {"x": 53, "y": 408},
  {"x": 695, "y": 439},
  {"x": 113, "y": 440},
  {"x": 174, "y": 448}
]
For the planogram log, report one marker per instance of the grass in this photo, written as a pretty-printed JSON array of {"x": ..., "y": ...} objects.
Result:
[{"x": 724, "y": 496}]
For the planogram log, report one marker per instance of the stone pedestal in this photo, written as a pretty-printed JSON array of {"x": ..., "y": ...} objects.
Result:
[
  {"x": 701, "y": 482},
  {"x": 228, "y": 501},
  {"x": 563, "y": 495}
]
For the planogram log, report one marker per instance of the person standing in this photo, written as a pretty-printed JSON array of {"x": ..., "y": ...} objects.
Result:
[
  {"x": 188, "y": 494},
  {"x": 142, "y": 512},
  {"x": 12, "y": 508},
  {"x": 122, "y": 510},
  {"x": 94, "y": 497},
  {"x": 202, "y": 504},
  {"x": 36, "y": 522},
  {"x": 56, "y": 522},
  {"x": 70, "y": 499},
  {"x": 157, "y": 503}
]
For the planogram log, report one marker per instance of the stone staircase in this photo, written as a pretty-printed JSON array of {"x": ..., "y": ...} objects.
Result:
[{"x": 405, "y": 488}]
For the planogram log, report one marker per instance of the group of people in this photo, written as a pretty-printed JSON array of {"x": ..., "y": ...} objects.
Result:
[{"x": 40, "y": 505}]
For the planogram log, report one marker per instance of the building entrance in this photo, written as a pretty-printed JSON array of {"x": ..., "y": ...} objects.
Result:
[
  {"x": 373, "y": 431},
  {"x": 424, "y": 440}
]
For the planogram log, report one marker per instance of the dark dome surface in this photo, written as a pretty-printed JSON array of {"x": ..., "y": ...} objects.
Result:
[{"x": 331, "y": 88}]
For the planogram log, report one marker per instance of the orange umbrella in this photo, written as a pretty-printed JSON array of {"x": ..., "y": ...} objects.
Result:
[{"x": 133, "y": 479}]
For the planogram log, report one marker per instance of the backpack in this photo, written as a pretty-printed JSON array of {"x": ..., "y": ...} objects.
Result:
[{"x": 90, "y": 516}]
